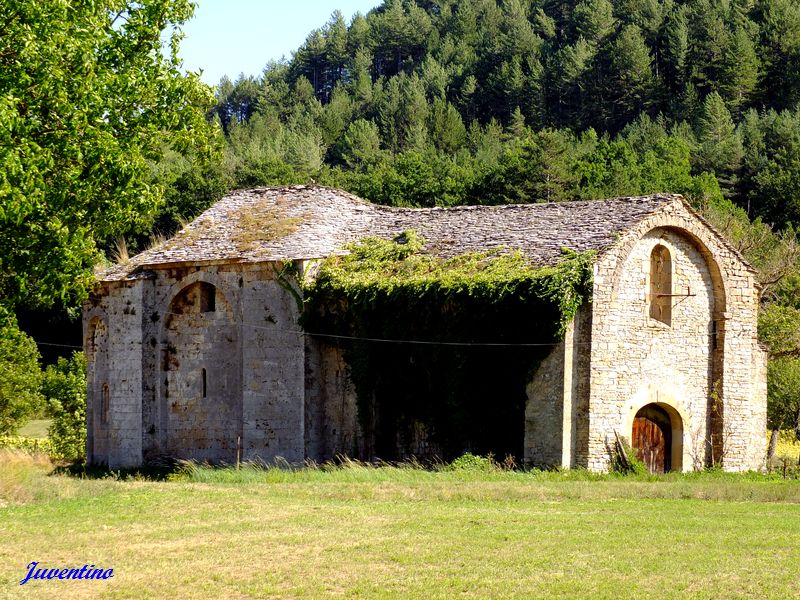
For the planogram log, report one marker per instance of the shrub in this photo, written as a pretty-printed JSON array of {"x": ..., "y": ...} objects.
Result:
[
  {"x": 64, "y": 386},
  {"x": 471, "y": 462},
  {"x": 624, "y": 460}
]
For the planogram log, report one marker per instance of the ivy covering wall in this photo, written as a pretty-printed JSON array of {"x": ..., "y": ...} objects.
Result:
[{"x": 442, "y": 346}]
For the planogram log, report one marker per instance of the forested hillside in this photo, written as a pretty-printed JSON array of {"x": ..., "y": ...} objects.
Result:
[
  {"x": 443, "y": 103},
  {"x": 423, "y": 103}
]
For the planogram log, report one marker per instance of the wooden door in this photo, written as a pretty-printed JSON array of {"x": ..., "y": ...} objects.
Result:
[{"x": 650, "y": 444}]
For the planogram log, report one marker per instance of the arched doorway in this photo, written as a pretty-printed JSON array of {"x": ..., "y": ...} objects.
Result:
[{"x": 657, "y": 437}]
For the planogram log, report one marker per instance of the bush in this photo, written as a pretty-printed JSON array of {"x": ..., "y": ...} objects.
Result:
[
  {"x": 20, "y": 375},
  {"x": 30, "y": 445},
  {"x": 64, "y": 387},
  {"x": 471, "y": 462}
]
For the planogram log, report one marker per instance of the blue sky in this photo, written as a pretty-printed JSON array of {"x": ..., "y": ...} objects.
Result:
[{"x": 228, "y": 37}]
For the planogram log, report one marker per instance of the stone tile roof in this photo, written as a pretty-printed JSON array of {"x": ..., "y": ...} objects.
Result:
[{"x": 297, "y": 222}]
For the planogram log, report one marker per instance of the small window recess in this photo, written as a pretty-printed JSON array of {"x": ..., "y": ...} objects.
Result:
[
  {"x": 205, "y": 384},
  {"x": 208, "y": 297},
  {"x": 661, "y": 285}
]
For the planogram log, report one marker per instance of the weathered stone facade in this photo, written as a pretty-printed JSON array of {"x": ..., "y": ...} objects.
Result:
[
  {"x": 704, "y": 368},
  {"x": 195, "y": 350},
  {"x": 187, "y": 379}
]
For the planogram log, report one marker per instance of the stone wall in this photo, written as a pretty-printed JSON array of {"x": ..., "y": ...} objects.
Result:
[
  {"x": 545, "y": 410},
  {"x": 557, "y": 408},
  {"x": 113, "y": 338},
  {"x": 273, "y": 359},
  {"x": 200, "y": 382},
  {"x": 709, "y": 345}
]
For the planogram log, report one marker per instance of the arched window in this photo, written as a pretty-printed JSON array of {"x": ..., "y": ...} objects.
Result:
[
  {"x": 661, "y": 284},
  {"x": 199, "y": 297}
]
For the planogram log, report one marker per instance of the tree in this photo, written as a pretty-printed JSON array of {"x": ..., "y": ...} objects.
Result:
[
  {"x": 612, "y": 168},
  {"x": 336, "y": 115},
  {"x": 535, "y": 169},
  {"x": 446, "y": 127},
  {"x": 64, "y": 387},
  {"x": 20, "y": 375},
  {"x": 236, "y": 102},
  {"x": 631, "y": 85},
  {"x": 361, "y": 83},
  {"x": 710, "y": 39},
  {"x": 594, "y": 20},
  {"x": 361, "y": 144},
  {"x": 774, "y": 255},
  {"x": 779, "y": 51},
  {"x": 779, "y": 329},
  {"x": 720, "y": 146},
  {"x": 570, "y": 67},
  {"x": 676, "y": 49},
  {"x": 771, "y": 170},
  {"x": 740, "y": 70},
  {"x": 336, "y": 48},
  {"x": 399, "y": 31},
  {"x": 783, "y": 398},
  {"x": 89, "y": 96},
  {"x": 190, "y": 186}
]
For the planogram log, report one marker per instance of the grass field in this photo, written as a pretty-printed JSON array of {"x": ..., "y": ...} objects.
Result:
[{"x": 399, "y": 533}]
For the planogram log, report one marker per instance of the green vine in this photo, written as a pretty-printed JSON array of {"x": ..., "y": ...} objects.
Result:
[
  {"x": 288, "y": 277},
  {"x": 461, "y": 338}
]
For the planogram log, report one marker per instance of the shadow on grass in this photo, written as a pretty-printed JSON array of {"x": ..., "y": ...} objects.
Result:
[{"x": 145, "y": 473}]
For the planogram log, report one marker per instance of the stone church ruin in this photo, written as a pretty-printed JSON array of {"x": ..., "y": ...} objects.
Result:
[{"x": 196, "y": 348}]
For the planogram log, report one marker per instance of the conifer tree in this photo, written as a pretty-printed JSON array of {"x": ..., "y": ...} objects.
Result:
[
  {"x": 720, "y": 147},
  {"x": 630, "y": 87}
]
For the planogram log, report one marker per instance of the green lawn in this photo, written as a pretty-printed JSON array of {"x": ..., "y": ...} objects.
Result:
[{"x": 401, "y": 533}]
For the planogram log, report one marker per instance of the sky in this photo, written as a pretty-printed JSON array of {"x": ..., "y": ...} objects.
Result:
[{"x": 228, "y": 37}]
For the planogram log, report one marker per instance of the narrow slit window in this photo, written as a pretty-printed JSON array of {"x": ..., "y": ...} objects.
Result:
[
  {"x": 205, "y": 388},
  {"x": 105, "y": 400},
  {"x": 714, "y": 334},
  {"x": 661, "y": 285}
]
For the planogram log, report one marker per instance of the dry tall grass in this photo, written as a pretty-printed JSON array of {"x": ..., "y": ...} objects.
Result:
[
  {"x": 120, "y": 254},
  {"x": 22, "y": 476}
]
